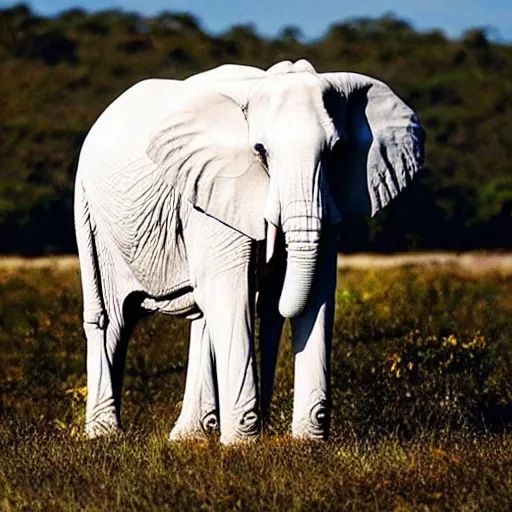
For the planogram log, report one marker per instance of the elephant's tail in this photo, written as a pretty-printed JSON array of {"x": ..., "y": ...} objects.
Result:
[{"x": 94, "y": 308}]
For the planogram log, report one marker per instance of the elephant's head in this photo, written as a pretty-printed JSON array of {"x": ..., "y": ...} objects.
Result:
[{"x": 290, "y": 147}]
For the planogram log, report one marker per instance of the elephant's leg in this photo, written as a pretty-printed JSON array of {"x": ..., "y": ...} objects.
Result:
[
  {"x": 229, "y": 316},
  {"x": 101, "y": 415},
  {"x": 270, "y": 328},
  {"x": 107, "y": 337},
  {"x": 199, "y": 410},
  {"x": 312, "y": 336},
  {"x": 221, "y": 269}
]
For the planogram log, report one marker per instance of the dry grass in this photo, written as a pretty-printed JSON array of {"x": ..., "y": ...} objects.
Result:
[
  {"x": 55, "y": 262},
  {"x": 474, "y": 262},
  {"x": 422, "y": 406}
]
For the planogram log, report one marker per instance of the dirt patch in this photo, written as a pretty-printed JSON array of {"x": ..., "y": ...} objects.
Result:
[
  {"x": 472, "y": 261},
  {"x": 55, "y": 262}
]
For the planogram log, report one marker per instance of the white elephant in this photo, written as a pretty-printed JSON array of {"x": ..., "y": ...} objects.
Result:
[{"x": 178, "y": 186}]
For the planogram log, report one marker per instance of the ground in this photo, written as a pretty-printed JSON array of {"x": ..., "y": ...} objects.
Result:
[{"x": 422, "y": 394}]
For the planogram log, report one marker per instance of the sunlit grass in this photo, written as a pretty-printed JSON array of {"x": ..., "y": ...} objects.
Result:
[{"x": 421, "y": 389}]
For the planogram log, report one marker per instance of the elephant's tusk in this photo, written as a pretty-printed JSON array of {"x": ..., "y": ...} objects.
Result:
[{"x": 271, "y": 240}]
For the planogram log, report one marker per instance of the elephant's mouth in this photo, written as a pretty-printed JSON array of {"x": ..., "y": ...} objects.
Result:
[
  {"x": 271, "y": 241},
  {"x": 272, "y": 256}
]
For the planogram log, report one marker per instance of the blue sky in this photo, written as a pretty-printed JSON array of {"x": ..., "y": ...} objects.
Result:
[{"x": 312, "y": 16}]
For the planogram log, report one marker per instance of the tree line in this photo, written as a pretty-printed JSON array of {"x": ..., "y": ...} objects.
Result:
[{"x": 59, "y": 73}]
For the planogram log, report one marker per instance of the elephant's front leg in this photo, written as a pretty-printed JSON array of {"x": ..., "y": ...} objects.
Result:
[
  {"x": 271, "y": 323},
  {"x": 271, "y": 326},
  {"x": 312, "y": 336},
  {"x": 221, "y": 268},
  {"x": 199, "y": 410},
  {"x": 227, "y": 304}
]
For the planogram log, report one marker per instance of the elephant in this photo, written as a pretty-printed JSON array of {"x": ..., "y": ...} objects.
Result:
[{"x": 193, "y": 197}]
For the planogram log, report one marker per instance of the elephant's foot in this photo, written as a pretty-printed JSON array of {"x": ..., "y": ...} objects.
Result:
[
  {"x": 315, "y": 423},
  {"x": 104, "y": 424},
  {"x": 194, "y": 430},
  {"x": 246, "y": 428}
]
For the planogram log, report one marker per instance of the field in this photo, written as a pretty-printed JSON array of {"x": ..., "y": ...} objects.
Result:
[{"x": 422, "y": 392}]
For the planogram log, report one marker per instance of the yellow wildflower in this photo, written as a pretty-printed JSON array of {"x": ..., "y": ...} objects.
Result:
[{"x": 451, "y": 340}]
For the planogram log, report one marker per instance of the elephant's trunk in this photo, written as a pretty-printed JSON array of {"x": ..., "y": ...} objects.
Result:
[
  {"x": 299, "y": 277},
  {"x": 301, "y": 227}
]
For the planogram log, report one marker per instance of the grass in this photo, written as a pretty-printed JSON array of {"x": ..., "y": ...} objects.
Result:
[{"x": 422, "y": 396}]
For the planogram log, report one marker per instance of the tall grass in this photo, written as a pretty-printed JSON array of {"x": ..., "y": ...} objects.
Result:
[{"x": 422, "y": 398}]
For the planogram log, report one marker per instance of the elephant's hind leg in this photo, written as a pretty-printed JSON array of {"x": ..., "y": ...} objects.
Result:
[
  {"x": 100, "y": 324},
  {"x": 107, "y": 334},
  {"x": 199, "y": 410},
  {"x": 101, "y": 414},
  {"x": 106, "y": 351}
]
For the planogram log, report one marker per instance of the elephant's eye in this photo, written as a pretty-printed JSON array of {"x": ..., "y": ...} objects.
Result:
[
  {"x": 259, "y": 148},
  {"x": 262, "y": 153}
]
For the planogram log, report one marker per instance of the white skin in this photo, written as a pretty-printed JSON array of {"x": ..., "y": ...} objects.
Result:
[{"x": 178, "y": 180}]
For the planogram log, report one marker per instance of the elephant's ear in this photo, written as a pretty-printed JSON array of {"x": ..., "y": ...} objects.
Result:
[
  {"x": 381, "y": 144},
  {"x": 203, "y": 149}
]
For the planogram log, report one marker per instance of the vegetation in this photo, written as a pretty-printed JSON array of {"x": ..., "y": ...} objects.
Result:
[
  {"x": 421, "y": 389},
  {"x": 59, "y": 73}
]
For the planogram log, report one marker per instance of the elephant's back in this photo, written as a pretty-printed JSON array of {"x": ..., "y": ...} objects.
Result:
[
  {"x": 136, "y": 213},
  {"x": 123, "y": 131}
]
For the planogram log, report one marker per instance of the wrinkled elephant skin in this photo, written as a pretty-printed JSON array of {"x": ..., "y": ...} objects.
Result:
[{"x": 192, "y": 194}]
